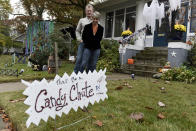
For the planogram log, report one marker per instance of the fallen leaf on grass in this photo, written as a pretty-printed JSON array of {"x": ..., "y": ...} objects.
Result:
[
  {"x": 3, "y": 116},
  {"x": 6, "y": 120},
  {"x": 150, "y": 108},
  {"x": 184, "y": 114},
  {"x": 99, "y": 123},
  {"x": 111, "y": 115},
  {"x": 137, "y": 116},
  {"x": 160, "y": 116},
  {"x": 2, "y": 111},
  {"x": 155, "y": 82},
  {"x": 14, "y": 101},
  {"x": 161, "y": 104},
  {"x": 130, "y": 87},
  {"x": 119, "y": 88},
  {"x": 9, "y": 126},
  {"x": 94, "y": 117}
]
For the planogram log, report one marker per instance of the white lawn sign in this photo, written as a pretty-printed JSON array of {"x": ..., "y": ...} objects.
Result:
[{"x": 48, "y": 99}]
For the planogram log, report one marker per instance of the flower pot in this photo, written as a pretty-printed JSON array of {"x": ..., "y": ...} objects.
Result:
[
  {"x": 178, "y": 35},
  {"x": 124, "y": 36},
  {"x": 189, "y": 42}
]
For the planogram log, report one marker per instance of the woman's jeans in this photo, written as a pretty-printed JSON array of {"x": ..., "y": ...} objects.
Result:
[
  {"x": 79, "y": 57},
  {"x": 89, "y": 57}
]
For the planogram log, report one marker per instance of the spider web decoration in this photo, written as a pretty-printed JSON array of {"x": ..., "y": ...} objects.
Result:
[
  {"x": 152, "y": 13},
  {"x": 175, "y": 4},
  {"x": 156, "y": 11},
  {"x": 48, "y": 99}
]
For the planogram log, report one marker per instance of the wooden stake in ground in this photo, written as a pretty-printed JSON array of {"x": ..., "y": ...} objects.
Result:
[
  {"x": 56, "y": 57},
  {"x": 57, "y": 68}
]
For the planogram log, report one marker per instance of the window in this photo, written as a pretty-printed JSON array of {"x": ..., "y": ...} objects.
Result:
[
  {"x": 123, "y": 20},
  {"x": 130, "y": 18},
  {"x": 109, "y": 24},
  {"x": 193, "y": 17},
  {"x": 119, "y": 22}
]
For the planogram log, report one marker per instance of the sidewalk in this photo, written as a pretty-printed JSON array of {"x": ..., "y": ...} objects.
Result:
[{"x": 17, "y": 86}]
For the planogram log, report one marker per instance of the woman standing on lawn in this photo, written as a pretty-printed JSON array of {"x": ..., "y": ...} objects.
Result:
[{"x": 92, "y": 36}]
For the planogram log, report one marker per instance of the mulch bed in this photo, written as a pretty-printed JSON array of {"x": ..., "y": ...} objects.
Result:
[{"x": 8, "y": 124}]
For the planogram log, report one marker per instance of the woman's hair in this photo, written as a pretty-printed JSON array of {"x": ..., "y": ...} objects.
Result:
[{"x": 96, "y": 14}]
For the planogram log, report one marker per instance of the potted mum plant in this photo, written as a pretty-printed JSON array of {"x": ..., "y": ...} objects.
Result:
[
  {"x": 126, "y": 33},
  {"x": 179, "y": 30}
]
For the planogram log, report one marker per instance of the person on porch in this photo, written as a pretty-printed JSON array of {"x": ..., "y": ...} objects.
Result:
[
  {"x": 79, "y": 30},
  {"x": 92, "y": 36}
]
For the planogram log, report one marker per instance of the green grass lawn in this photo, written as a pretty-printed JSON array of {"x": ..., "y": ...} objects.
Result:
[
  {"x": 180, "y": 110},
  {"x": 29, "y": 74}
]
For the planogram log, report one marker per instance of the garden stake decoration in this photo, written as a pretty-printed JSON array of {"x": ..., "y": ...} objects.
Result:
[
  {"x": 62, "y": 94},
  {"x": 9, "y": 72}
]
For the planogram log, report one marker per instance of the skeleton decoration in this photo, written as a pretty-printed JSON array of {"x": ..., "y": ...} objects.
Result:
[
  {"x": 152, "y": 13},
  {"x": 175, "y": 4}
]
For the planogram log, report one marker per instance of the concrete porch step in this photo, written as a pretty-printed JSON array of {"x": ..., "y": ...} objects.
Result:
[
  {"x": 147, "y": 62},
  {"x": 155, "y": 58},
  {"x": 139, "y": 72},
  {"x": 151, "y": 68},
  {"x": 152, "y": 54},
  {"x": 154, "y": 51},
  {"x": 150, "y": 62},
  {"x": 155, "y": 48}
]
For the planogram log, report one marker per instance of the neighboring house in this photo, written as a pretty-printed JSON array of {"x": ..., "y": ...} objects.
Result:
[
  {"x": 16, "y": 37},
  {"x": 118, "y": 15},
  {"x": 20, "y": 40}
]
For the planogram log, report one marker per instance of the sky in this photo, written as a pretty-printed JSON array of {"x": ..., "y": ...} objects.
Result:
[{"x": 18, "y": 9}]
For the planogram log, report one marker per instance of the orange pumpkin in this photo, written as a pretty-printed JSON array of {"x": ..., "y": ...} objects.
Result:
[
  {"x": 131, "y": 61},
  {"x": 189, "y": 42}
]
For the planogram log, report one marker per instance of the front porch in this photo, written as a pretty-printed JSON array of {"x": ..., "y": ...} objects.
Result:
[
  {"x": 117, "y": 16},
  {"x": 148, "y": 62}
]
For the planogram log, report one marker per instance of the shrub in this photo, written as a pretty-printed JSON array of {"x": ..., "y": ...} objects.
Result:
[
  {"x": 109, "y": 56},
  {"x": 180, "y": 74},
  {"x": 192, "y": 56},
  {"x": 41, "y": 56}
]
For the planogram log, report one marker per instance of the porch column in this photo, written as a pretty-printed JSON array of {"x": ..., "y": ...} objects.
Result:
[{"x": 139, "y": 23}]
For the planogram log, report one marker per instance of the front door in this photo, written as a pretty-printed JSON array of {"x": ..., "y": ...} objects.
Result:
[
  {"x": 161, "y": 33},
  {"x": 165, "y": 32}
]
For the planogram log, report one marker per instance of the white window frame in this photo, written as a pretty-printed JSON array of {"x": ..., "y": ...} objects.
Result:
[{"x": 114, "y": 19}]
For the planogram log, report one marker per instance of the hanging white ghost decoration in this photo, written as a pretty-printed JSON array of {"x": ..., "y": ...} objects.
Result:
[
  {"x": 175, "y": 4},
  {"x": 152, "y": 13}
]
